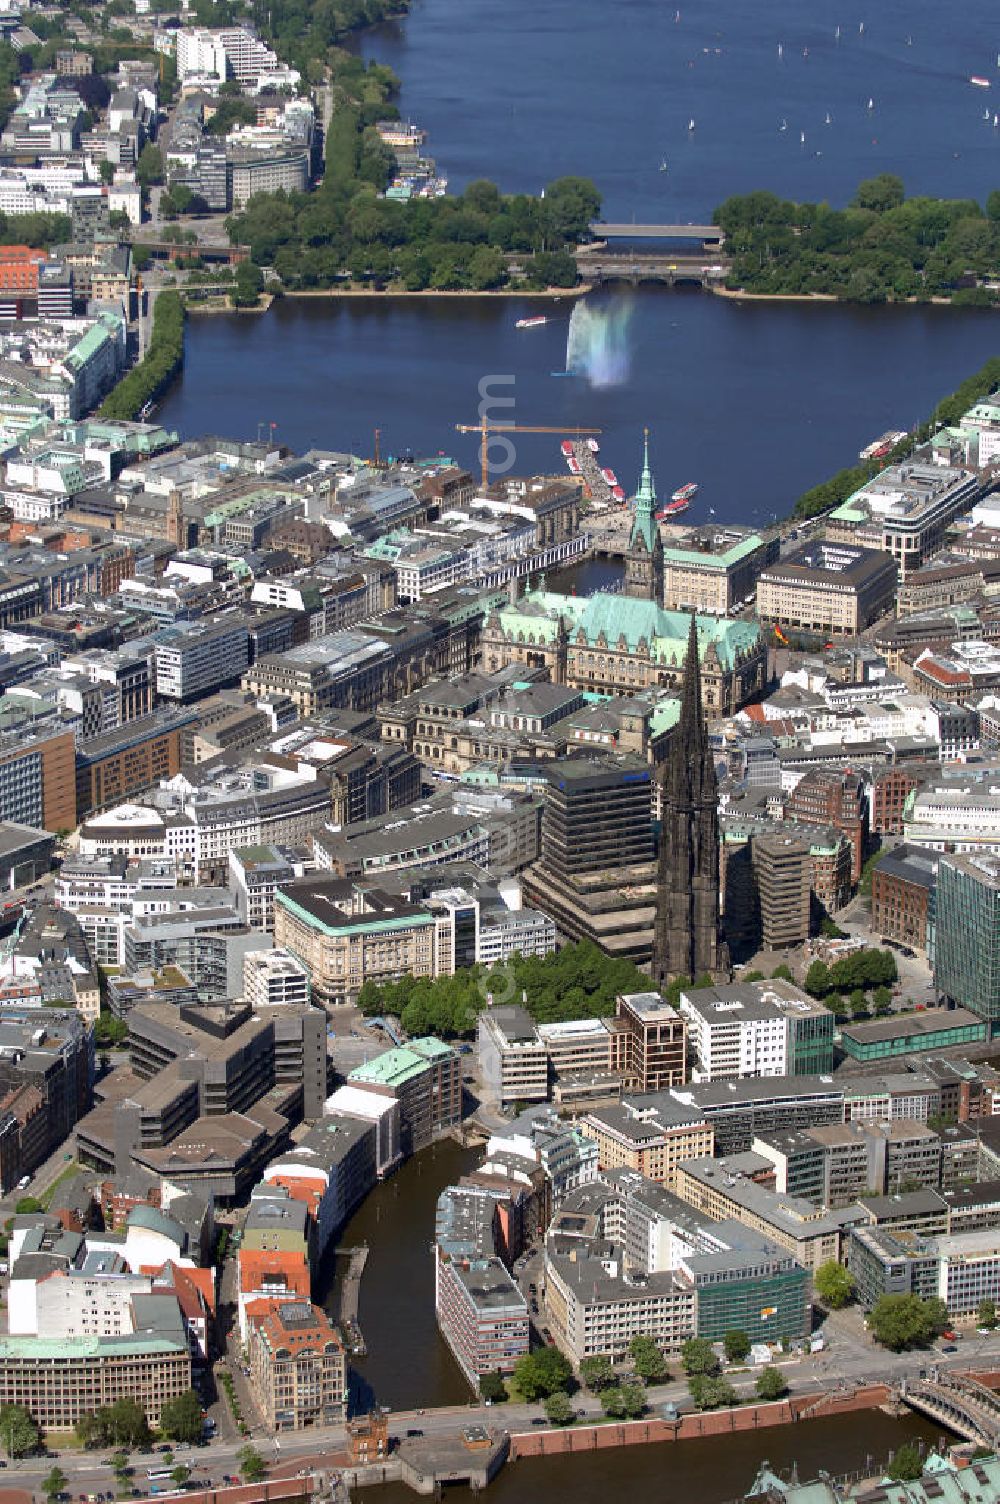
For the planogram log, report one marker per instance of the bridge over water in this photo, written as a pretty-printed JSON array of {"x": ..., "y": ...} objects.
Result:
[
  {"x": 958, "y": 1402},
  {"x": 705, "y": 270},
  {"x": 709, "y": 233}
]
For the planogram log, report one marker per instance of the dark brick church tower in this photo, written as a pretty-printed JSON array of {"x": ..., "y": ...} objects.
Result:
[{"x": 686, "y": 936}]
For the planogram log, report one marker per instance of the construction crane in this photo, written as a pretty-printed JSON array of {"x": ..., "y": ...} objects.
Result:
[{"x": 484, "y": 428}]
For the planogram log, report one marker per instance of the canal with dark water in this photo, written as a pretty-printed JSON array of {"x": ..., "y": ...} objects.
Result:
[
  {"x": 408, "y": 1365},
  {"x": 692, "y": 1472}
]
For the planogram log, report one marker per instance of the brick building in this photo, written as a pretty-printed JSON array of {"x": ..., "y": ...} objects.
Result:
[
  {"x": 903, "y": 895},
  {"x": 890, "y": 788},
  {"x": 830, "y": 796}
]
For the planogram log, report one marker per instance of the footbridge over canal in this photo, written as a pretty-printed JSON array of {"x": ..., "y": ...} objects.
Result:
[{"x": 958, "y": 1402}]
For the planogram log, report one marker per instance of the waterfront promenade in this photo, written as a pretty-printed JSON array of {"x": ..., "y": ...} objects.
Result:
[{"x": 862, "y": 1381}]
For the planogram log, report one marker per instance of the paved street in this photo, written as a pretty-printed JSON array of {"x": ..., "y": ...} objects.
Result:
[{"x": 849, "y": 1360}]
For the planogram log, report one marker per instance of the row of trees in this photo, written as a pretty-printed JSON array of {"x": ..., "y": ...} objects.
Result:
[
  {"x": 882, "y": 248},
  {"x": 459, "y": 242},
  {"x": 123, "y": 1425},
  {"x": 831, "y": 493},
  {"x": 579, "y": 981},
  {"x": 345, "y": 230},
  {"x": 159, "y": 366},
  {"x": 304, "y": 31},
  {"x": 861, "y": 968},
  {"x": 897, "y": 1322},
  {"x": 547, "y": 1376}
]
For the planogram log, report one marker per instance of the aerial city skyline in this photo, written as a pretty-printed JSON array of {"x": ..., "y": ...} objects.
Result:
[{"x": 499, "y": 752}]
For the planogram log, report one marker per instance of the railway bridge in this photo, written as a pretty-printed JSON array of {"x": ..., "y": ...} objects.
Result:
[
  {"x": 958, "y": 1402},
  {"x": 707, "y": 234},
  {"x": 673, "y": 268}
]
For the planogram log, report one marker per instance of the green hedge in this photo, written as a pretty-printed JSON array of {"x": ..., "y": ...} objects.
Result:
[{"x": 162, "y": 362}]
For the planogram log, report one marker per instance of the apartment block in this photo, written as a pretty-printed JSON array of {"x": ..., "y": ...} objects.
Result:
[
  {"x": 967, "y": 945},
  {"x": 648, "y": 1042},
  {"x": 903, "y": 887},
  {"x": 904, "y": 511},
  {"x": 651, "y": 1136},
  {"x": 783, "y": 876},
  {"x": 346, "y": 933},
  {"x": 193, "y": 658},
  {"x": 756, "y": 1029},
  {"x": 60, "y": 1379},
  {"x": 38, "y": 779},
  {"x": 297, "y": 1365},
  {"x": 274, "y": 978},
  {"x": 513, "y": 1059},
  {"x": 714, "y": 569},
  {"x": 425, "y": 1077}
]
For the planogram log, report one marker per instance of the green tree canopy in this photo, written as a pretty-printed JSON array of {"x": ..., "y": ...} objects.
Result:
[
  {"x": 633, "y": 1400},
  {"x": 559, "y": 1408},
  {"x": 711, "y": 1392},
  {"x": 54, "y": 1482},
  {"x": 252, "y": 1465},
  {"x": 905, "y": 1321},
  {"x": 493, "y": 1388},
  {"x": 771, "y": 1384},
  {"x": 18, "y": 1432},
  {"x": 542, "y": 1373},
  {"x": 881, "y": 248},
  {"x": 149, "y": 168},
  {"x": 986, "y": 1314},
  {"x": 906, "y": 1464},
  {"x": 698, "y": 1356},
  {"x": 647, "y": 1359},
  {"x": 879, "y": 193},
  {"x": 736, "y": 1345},
  {"x": 834, "y": 1284},
  {"x": 596, "y": 1373},
  {"x": 579, "y": 981},
  {"x": 181, "y": 1419}
]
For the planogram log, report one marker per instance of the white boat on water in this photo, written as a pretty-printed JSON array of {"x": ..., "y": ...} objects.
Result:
[{"x": 535, "y": 321}]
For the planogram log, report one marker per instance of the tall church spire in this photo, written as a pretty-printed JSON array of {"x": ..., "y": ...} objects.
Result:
[
  {"x": 644, "y": 558},
  {"x": 686, "y": 937}
]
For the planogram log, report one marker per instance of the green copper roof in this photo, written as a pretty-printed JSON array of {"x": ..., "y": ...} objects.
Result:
[
  {"x": 714, "y": 561},
  {"x": 126, "y": 1345},
  {"x": 613, "y": 617},
  {"x": 665, "y": 716},
  {"x": 644, "y": 503},
  {"x": 397, "y": 1066}
]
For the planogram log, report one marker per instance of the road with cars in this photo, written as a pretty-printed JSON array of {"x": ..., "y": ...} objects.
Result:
[{"x": 849, "y": 1360}]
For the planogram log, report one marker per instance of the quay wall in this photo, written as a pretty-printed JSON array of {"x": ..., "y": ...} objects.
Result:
[{"x": 580, "y": 1438}]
